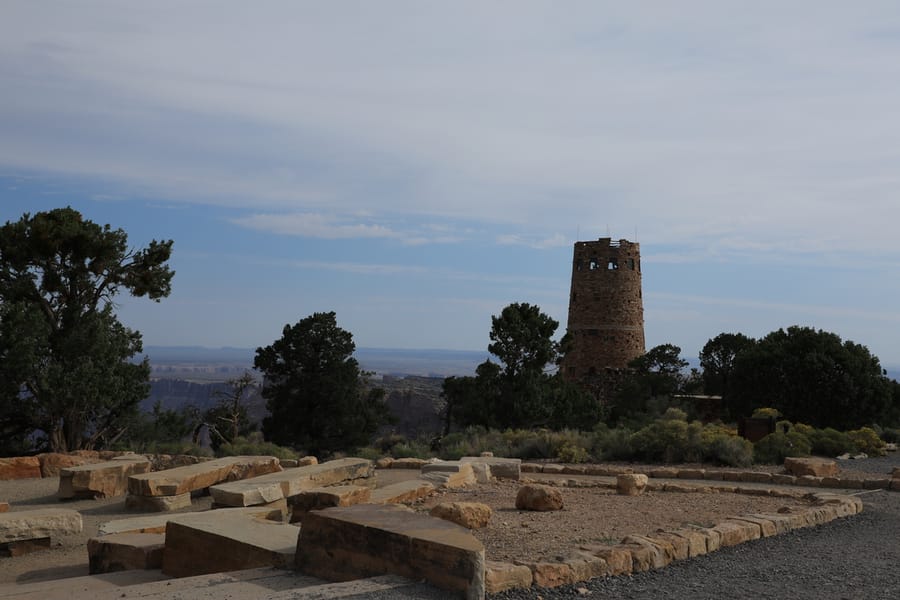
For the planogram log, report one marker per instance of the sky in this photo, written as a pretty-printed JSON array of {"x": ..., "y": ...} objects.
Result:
[{"x": 416, "y": 166}]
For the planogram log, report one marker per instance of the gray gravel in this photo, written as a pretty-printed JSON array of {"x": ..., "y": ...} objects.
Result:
[{"x": 857, "y": 557}]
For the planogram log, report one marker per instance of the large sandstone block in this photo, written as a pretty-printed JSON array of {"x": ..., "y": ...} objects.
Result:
[
  {"x": 503, "y": 468},
  {"x": 550, "y": 574},
  {"x": 816, "y": 467},
  {"x": 157, "y": 503},
  {"x": 339, "y": 544},
  {"x": 291, "y": 482},
  {"x": 223, "y": 540},
  {"x": 449, "y": 474},
  {"x": 471, "y": 515},
  {"x": 191, "y": 478},
  {"x": 501, "y": 576},
  {"x": 402, "y": 492},
  {"x": 4, "y": 507},
  {"x": 737, "y": 532},
  {"x": 20, "y": 467},
  {"x": 40, "y": 523},
  {"x": 617, "y": 558},
  {"x": 54, "y": 462},
  {"x": 533, "y": 496},
  {"x": 125, "y": 551},
  {"x": 631, "y": 484},
  {"x": 327, "y": 497},
  {"x": 100, "y": 480},
  {"x": 157, "y": 523}
]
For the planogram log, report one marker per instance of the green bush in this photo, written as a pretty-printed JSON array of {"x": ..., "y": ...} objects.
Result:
[
  {"x": 255, "y": 445},
  {"x": 730, "y": 450},
  {"x": 570, "y": 453},
  {"x": 866, "y": 440},
  {"x": 829, "y": 442},
  {"x": 775, "y": 447},
  {"x": 766, "y": 412},
  {"x": 616, "y": 444},
  {"x": 890, "y": 435}
]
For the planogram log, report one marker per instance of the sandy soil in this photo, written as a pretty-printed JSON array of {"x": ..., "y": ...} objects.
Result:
[{"x": 594, "y": 515}]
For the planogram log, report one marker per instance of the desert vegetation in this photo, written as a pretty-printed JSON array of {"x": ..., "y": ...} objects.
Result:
[{"x": 71, "y": 377}]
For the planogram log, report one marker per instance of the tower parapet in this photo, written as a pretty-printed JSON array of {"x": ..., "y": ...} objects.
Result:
[{"x": 606, "y": 310}]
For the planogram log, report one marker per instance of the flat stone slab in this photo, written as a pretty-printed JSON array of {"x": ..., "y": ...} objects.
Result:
[
  {"x": 125, "y": 551},
  {"x": 402, "y": 491},
  {"x": 100, "y": 480},
  {"x": 42, "y": 523},
  {"x": 326, "y": 497},
  {"x": 340, "y": 544},
  {"x": 157, "y": 503},
  {"x": 816, "y": 467},
  {"x": 290, "y": 482},
  {"x": 192, "y": 478},
  {"x": 449, "y": 474},
  {"x": 108, "y": 586},
  {"x": 157, "y": 523},
  {"x": 224, "y": 540}
]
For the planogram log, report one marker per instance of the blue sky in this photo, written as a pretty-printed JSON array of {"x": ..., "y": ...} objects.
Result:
[{"x": 416, "y": 166}]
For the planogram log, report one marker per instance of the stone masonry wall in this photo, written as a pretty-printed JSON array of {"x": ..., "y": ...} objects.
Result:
[{"x": 606, "y": 311}]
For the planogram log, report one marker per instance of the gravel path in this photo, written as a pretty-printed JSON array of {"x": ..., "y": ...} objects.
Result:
[{"x": 855, "y": 558}]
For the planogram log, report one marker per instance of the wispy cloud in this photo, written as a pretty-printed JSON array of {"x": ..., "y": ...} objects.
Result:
[{"x": 314, "y": 225}]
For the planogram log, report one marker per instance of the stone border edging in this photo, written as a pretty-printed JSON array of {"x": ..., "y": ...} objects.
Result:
[
  {"x": 871, "y": 483},
  {"x": 637, "y": 553}
]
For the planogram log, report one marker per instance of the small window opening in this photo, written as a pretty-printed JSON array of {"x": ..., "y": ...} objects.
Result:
[
  {"x": 612, "y": 264},
  {"x": 595, "y": 264}
]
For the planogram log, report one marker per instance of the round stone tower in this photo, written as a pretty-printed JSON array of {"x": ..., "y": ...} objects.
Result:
[{"x": 606, "y": 310}]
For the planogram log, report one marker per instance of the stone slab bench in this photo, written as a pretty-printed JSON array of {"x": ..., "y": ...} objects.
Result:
[
  {"x": 401, "y": 492},
  {"x": 100, "y": 480},
  {"x": 157, "y": 523},
  {"x": 505, "y": 468},
  {"x": 125, "y": 552},
  {"x": 27, "y": 530},
  {"x": 354, "y": 542},
  {"x": 290, "y": 482},
  {"x": 326, "y": 497},
  {"x": 225, "y": 540},
  {"x": 20, "y": 467},
  {"x": 449, "y": 474},
  {"x": 171, "y": 489}
]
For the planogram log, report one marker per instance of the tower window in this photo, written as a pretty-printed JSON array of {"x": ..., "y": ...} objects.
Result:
[{"x": 612, "y": 264}]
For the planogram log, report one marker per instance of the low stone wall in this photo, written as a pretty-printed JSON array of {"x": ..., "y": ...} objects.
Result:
[
  {"x": 637, "y": 553},
  {"x": 732, "y": 475}
]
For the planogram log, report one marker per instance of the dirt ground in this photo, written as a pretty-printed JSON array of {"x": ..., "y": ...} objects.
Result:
[{"x": 590, "y": 515}]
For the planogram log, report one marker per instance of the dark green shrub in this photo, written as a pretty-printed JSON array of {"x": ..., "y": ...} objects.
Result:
[
  {"x": 661, "y": 441},
  {"x": 890, "y": 435},
  {"x": 829, "y": 442},
  {"x": 570, "y": 453},
  {"x": 730, "y": 450},
  {"x": 616, "y": 444},
  {"x": 775, "y": 447}
]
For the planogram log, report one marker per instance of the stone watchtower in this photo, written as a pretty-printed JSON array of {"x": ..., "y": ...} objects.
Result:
[{"x": 606, "y": 312}]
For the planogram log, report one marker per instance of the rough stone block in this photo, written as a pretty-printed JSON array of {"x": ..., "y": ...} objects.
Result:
[
  {"x": 339, "y": 544},
  {"x": 692, "y": 474},
  {"x": 222, "y": 540},
  {"x": 550, "y": 574},
  {"x": 100, "y": 480},
  {"x": 756, "y": 477},
  {"x": 680, "y": 545},
  {"x": 191, "y": 478},
  {"x": 125, "y": 551},
  {"x": 471, "y": 515},
  {"x": 40, "y": 523},
  {"x": 503, "y": 468},
  {"x": 659, "y": 552},
  {"x": 291, "y": 482},
  {"x": 53, "y": 462},
  {"x": 538, "y": 497},
  {"x": 553, "y": 468},
  {"x": 817, "y": 467},
  {"x": 617, "y": 558},
  {"x": 501, "y": 576},
  {"x": 326, "y": 497},
  {"x": 737, "y": 532},
  {"x": 449, "y": 474},
  {"x": 631, "y": 484},
  {"x": 22, "y": 547},
  {"x": 532, "y": 468},
  {"x": 767, "y": 527},
  {"x": 20, "y": 467},
  {"x": 586, "y": 566},
  {"x": 782, "y": 479},
  {"x": 157, "y": 503},
  {"x": 408, "y": 463},
  {"x": 402, "y": 492},
  {"x": 157, "y": 523},
  {"x": 4, "y": 507}
]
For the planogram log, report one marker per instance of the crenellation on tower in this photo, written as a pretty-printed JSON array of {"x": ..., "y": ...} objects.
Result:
[{"x": 606, "y": 310}]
